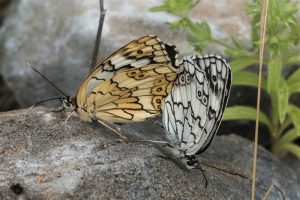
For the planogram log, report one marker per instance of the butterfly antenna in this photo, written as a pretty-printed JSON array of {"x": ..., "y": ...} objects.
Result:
[
  {"x": 56, "y": 98},
  {"x": 61, "y": 92},
  {"x": 224, "y": 170},
  {"x": 198, "y": 166},
  {"x": 117, "y": 133}
]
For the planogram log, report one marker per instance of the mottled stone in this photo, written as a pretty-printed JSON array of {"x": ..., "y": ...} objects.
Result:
[{"x": 85, "y": 161}]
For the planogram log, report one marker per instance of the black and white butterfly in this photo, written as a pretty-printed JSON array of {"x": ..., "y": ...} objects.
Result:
[{"x": 193, "y": 111}]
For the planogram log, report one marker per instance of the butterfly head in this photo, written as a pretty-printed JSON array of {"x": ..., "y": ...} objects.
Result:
[{"x": 69, "y": 103}]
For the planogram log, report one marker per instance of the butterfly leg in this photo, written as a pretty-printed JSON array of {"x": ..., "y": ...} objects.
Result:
[
  {"x": 192, "y": 161},
  {"x": 64, "y": 122},
  {"x": 117, "y": 133}
]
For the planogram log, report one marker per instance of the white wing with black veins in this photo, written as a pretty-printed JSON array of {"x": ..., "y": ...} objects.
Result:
[{"x": 192, "y": 112}]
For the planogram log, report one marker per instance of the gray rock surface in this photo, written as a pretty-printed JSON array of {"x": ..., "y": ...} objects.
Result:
[
  {"x": 58, "y": 37},
  {"x": 85, "y": 161}
]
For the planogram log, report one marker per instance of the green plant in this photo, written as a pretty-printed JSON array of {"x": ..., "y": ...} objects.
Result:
[{"x": 282, "y": 54}]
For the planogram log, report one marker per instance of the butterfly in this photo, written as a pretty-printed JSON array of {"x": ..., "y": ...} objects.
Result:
[
  {"x": 193, "y": 110},
  {"x": 129, "y": 85}
]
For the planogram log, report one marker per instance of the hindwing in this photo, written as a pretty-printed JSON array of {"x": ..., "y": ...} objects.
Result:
[
  {"x": 132, "y": 95},
  {"x": 122, "y": 88},
  {"x": 193, "y": 110}
]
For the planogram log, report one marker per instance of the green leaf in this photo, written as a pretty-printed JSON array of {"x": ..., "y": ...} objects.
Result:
[
  {"x": 294, "y": 88},
  {"x": 159, "y": 8},
  {"x": 235, "y": 41},
  {"x": 274, "y": 74},
  {"x": 290, "y": 136},
  {"x": 292, "y": 148},
  {"x": 199, "y": 35},
  {"x": 245, "y": 113},
  {"x": 295, "y": 77},
  {"x": 293, "y": 82},
  {"x": 294, "y": 114},
  {"x": 247, "y": 79},
  {"x": 180, "y": 8},
  {"x": 292, "y": 59},
  {"x": 243, "y": 62},
  {"x": 176, "y": 24},
  {"x": 282, "y": 100}
]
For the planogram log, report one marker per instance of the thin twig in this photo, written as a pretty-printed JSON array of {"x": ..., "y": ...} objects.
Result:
[
  {"x": 99, "y": 33},
  {"x": 263, "y": 22}
]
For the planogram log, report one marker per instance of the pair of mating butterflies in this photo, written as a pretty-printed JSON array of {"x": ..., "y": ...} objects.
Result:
[{"x": 145, "y": 77}]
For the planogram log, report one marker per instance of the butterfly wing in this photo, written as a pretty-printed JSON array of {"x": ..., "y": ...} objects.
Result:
[
  {"x": 193, "y": 110},
  {"x": 138, "y": 53},
  {"x": 132, "y": 95},
  {"x": 121, "y": 88}
]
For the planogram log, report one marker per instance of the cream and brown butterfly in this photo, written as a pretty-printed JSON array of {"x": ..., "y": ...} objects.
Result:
[{"x": 129, "y": 85}]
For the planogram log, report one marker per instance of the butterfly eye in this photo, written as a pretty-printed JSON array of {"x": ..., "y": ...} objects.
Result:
[
  {"x": 139, "y": 51},
  {"x": 182, "y": 79},
  {"x": 67, "y": 103}
]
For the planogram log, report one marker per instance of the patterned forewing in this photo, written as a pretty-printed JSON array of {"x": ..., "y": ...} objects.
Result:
[
  {"x": 138, "y": 53},
  {"x": 194, "y": 108}
]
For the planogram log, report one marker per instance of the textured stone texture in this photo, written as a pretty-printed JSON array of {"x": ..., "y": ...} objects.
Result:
[
  {"x": 85, "y": 161},
  {"x": 58, "y": 37}
]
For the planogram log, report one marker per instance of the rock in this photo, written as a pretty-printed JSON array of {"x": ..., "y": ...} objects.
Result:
[
  {"x": 85, "y": 161},
  {"x": 58, "y": 38}
]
